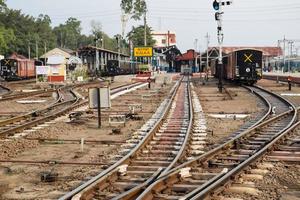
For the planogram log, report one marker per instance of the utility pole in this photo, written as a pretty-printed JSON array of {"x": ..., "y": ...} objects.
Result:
[
  {"x": 290, "y": 43},
  {"x": 97, "y": 55},
  {"x": 45, "y": 48},
  {"x": 195, "y": 53},
  {"x": 145, "y": 30},
  {"x": 124, "y": 20},
  {"x": 207, "y": 56},
  {"x": 61, "y": 39},
  {"x": 101, "y": 55},
  {"x": 217, "y": 5},
  {"x": 119, "y": 54},
  {"x": 284, "y": 40},
  {"x": 29, "y": 50},
  {"x": 36, "y": 50}
]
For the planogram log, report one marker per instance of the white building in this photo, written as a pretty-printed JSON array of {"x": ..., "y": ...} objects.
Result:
[{"x": 164, "y": 38}]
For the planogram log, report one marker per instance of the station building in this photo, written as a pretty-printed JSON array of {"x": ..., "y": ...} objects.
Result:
[
  {"x": 57, "y": 60},
  {"x": 190, "y": 59},
  {"x": 164, "y": 38},
  {"x": 96, "y": 58},
  {"x": 165, "y": 51}
]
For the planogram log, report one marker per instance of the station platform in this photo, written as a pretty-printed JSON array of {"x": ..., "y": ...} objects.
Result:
[{"x": 283, "y": 77}]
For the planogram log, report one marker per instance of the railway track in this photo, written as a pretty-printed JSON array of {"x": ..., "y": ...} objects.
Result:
[
  {"x": 4, "y": 91},
  {"x": 284, "y": 148},
  {"x": 156, "y": 153},
  {"x": 16, "y": 124},
  {"x": 197, "y": 178},
  {"x": 25, "y": 94},
  {"x": 271, "y": 105},
  {"x": 112, "y": 184},
  {"x": 287, "y": 148},
  {"x": 66, "y": 101}
]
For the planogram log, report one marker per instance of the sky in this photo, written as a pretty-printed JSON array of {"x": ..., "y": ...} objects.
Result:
[{"x": 246, "y": 22}]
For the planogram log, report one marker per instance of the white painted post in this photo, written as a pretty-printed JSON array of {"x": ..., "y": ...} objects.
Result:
[{"x": 81, "y": 144}]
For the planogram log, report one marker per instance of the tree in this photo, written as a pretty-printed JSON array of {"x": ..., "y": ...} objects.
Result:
[
  {"x": 96, "y": 28},
  {"x": 135, "y": 8},
  {"x": 97, "y": 32},
  {"x": 2, "y": 5},
  {"x": 27, "y": 32},
  {"x": 68, "y": 34},
  {"x": 44, "y": 37},
  {"x": 6, "y": 37},
  {"x": 136, "y": 35}
]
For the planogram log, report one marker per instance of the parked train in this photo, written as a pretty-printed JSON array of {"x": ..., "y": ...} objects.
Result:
[
  {"x": 17, "y": 67},
  {"x": 126, "y": 67},
  {"x": 242, "y": 66},
  {"x": 12, "y": 69}
]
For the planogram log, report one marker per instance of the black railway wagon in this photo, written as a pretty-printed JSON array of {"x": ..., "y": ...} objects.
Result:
[
  {"x": 126, "y": 67},
  {"x": 242, "y": 66}
]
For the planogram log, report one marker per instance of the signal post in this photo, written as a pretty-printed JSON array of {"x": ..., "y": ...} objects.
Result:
[{"x": 217, "y": 5}]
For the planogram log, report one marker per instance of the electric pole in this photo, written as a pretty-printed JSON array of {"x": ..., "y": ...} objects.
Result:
[
  {"x": 290, "y": 55},
  {"x": 97, "y": 54},
  {"x": 195, "y": 53},
  {"x": 145, "y": 30},
  {"x": 207, "y": 44},
  {"x": 36, "y": 49},
  {"x": 45, "y": 47},
  {"x": 29, "y": 50}
]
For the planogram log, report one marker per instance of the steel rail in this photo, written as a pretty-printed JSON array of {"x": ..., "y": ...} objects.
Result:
[
  {"x": 292, "y": 106},
  {"x": 58, "y": 102},
  {"x": 206, "y": 191},
  {"x": 32, "y": 113},
  {"x": 114, "y": 168},
  {"x": 42, "y": 119},
  {"x": 252, "y": 124},
  {"x": 134, "y": 192},
  {"x": 5, "y": 88},
  {"x": 234, "y": 141},
  {"x": 27, "y": 94}
]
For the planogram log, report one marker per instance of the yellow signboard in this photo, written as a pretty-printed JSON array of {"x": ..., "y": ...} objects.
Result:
[{"x": 143, "y": 52}]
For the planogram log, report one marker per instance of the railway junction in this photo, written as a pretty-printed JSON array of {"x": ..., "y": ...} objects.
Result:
[
  {"x": 184, "y": 140},
  {"x": 111, "y": 105}
]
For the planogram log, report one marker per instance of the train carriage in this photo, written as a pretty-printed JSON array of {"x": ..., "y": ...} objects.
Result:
[
  {"x": 243, "y": 66},
  {"x": 17, "y": 67},
  {"x": 126, "y": 67}
]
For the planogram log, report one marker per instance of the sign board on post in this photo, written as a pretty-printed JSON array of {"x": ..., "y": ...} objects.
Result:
[
  {"x": 42, "y": 70},
  {"x": 142, "y": 51},
  {"x": 104, "y": 98}
]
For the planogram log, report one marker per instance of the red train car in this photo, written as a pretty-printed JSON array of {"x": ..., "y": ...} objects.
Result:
[{"x": 17, "y": 67}]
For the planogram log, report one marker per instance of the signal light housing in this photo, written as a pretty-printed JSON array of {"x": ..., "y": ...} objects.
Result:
[{"x": 216, "y": 5}]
